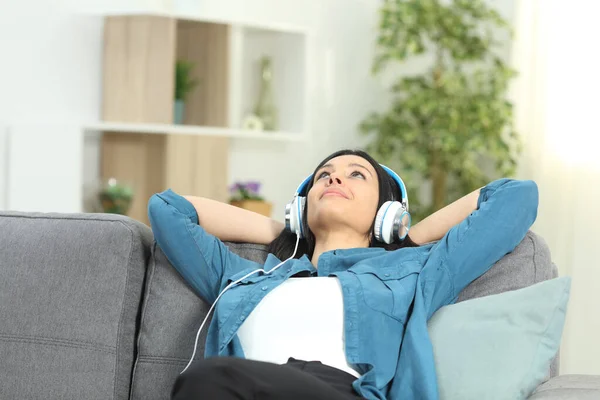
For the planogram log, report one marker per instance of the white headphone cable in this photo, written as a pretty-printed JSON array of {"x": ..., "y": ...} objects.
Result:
[{"x": 227, "y": 288}]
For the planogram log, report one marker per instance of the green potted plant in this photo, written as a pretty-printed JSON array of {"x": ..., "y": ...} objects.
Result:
[
  {"x": 246, "y": 195},
  {"x": 184, "y": 84},
  {"x": 450, "y": 124},
  {"x": 115, "y": 197}
]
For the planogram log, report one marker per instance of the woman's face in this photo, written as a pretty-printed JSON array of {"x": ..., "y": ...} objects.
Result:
[{"x": 345, "y": 192}]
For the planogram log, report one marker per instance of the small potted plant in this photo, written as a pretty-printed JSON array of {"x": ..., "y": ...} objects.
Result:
[
  {"x": 246, "y": 195},
  {"x": 115, "y": 197},
  {"x": 184, "y": 84}
]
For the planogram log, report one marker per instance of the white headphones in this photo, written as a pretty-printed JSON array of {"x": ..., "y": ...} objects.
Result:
[{"x": 391, "y": 222}]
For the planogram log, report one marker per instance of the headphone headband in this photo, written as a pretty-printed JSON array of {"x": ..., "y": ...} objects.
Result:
[{"x": 302, "y": 187}]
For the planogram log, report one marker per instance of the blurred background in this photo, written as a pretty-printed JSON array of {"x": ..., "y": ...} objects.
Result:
[{"x": 103, "y": 103}]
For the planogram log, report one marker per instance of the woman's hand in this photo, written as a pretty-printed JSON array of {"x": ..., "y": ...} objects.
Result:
[
  {"x": 234, "y": 224},
  {"x": 439, "y": 223}
]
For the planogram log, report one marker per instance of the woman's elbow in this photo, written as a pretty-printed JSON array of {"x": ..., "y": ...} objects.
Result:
[{"x": 529, "y": 200}]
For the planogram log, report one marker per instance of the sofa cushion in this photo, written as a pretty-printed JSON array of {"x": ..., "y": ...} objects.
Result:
[
  {"x": 504, "y": 342},
  {"x": 171, "y": 316},
  {"x": 70, "y": 293}
]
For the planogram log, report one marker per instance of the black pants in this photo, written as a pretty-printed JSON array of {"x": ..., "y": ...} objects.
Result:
[{"x": 225, "y": 378}]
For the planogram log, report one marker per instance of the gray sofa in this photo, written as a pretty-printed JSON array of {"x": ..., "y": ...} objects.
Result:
[{"x": 91, "y": 309}]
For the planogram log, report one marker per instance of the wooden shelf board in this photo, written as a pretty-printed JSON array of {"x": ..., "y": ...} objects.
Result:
[{"x": 193, "y": 130}]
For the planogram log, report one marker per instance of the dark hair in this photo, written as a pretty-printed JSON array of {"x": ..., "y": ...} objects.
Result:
[{"x": 283, "y": 246}]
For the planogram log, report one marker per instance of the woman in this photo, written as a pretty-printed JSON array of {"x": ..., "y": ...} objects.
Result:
[{"x": 358, "y": 327}]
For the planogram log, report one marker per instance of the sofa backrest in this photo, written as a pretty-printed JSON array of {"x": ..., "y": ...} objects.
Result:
[
  {"x": 172, "y": 312},
  {"x": 70, "y": 295},
  {"x": 171, "y": 316},
  {"x": 528, "y": 264}
]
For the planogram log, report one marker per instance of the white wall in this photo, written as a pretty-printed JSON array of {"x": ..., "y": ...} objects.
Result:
[
  {"x": 4, "y": 154},
  {"x": 50, "y": 80},
  {"x": 50, "y": 63},
  {"x": 41, "y": 174}
]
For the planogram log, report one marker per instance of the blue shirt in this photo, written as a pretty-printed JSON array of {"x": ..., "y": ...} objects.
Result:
[{"x": 388, "y": 295}]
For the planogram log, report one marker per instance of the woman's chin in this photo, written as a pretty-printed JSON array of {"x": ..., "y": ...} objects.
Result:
[{"x": 333, "y": 214}]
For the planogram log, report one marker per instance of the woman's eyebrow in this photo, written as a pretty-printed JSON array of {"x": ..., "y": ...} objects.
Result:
[
  {"x": 316, "y": 176},
  {"x": 322, "y": 168},
  {"x": 360, "y": 166}
]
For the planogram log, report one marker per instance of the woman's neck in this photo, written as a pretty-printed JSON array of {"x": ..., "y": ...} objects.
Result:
[{"x": 328, "y": 241}]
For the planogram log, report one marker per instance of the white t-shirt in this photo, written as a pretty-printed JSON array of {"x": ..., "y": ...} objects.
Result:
[{"x": 302, "y": 318}]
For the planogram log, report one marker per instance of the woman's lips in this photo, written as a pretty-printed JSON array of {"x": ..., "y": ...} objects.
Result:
[{"x": 334, "y": 192}]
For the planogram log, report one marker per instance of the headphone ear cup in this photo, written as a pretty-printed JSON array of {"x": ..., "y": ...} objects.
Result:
[
  {"x": 294, "y": 213},
  {"x": 381, "y": 234},
  {"x": 402, "y": 223},
  {"x": 391, "y": 222},
  {"x": 301, "y": 204}
]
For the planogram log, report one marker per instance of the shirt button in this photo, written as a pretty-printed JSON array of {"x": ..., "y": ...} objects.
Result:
[
  {"x": 242, "y": 318},
  {"x": 289, "y": 270},
  {"x": 264, "y": 288},
  {"x": 386, "y": 275}
]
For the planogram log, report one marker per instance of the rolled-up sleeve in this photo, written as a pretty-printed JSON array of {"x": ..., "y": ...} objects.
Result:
[
  {"x": 506, "y": 209},
  {"x": 201, "y": 259}
]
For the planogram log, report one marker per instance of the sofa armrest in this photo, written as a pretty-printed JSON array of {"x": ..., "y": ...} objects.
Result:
[
  {"x": 569, "y": 387},
  {"x": 70, "y": 292}
]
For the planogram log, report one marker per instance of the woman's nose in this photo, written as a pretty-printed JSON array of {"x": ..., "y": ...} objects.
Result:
[{"x": 334, "y": 178}]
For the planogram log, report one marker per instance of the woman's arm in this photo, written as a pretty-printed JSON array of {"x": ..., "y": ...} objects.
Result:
[
  {"x": 201, "y": 258},
  {"x": 505, "y": 211},
  {"x": 234, "y": 224},
  {"x": 435, "y": 226}
]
